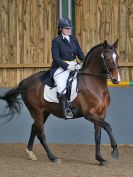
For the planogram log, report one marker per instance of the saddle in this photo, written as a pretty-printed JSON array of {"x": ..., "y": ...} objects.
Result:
[
  {"x": 49, "y": 81},
  {"x": 50, "y": 93},
  {"x": 46, "y": 79}
]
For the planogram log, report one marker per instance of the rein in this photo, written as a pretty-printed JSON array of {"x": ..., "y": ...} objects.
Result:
[{"x": 105, "y": 76}]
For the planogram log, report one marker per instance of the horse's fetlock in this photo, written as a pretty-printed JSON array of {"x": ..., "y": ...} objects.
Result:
[{"x": 98, "y": 157}]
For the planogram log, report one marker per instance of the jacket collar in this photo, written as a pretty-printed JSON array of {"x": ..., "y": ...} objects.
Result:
[
  {"x": 67, "y": 37},
  {"x": 66, "y": 41}
]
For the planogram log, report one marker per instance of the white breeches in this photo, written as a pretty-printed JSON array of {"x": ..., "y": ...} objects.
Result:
[{"x": 60, "y": 78}]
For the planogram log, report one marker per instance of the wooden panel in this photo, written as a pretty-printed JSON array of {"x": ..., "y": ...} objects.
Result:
[
  {"x": 47, "y": 65},
  {"x": 130, "y": 35},
  {"x": 26, "y": 31},
  {"x": 28, "y": 26},
  {"x": 6, "y": 66},
  {"x": 4, "y": 32},
  {"x": 98, "y": 20},
  {"x": 0, "y": 32}
]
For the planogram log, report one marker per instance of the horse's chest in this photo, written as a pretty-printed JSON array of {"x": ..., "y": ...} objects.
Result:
[
  {"x": 98, "y": 111},
  {"x": 100, "y": 105}
]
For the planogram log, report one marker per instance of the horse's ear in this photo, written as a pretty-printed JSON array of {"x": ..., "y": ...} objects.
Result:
[
  {"x": 115, "y": 45},
  {"x": 105, "y": 44}
]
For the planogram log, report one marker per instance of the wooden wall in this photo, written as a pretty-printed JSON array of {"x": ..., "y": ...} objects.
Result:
[
  {"x": 28, "y": 26},
  {"x": 26, "y": 30},
  {"x": 97, "y": 20}
]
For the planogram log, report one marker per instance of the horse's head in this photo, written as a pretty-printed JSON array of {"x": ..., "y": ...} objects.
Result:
[
  {"x": 110, "y": 57},
  {"x": 102, "y": 61}
]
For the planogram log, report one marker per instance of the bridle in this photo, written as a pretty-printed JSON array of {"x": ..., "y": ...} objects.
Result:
[
  {"x": 108, "y": 74},
  {"x": 105, "y": 64}
]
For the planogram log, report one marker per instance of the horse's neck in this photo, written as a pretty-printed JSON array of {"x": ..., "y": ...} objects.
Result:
[
  {"x": 94, "y": 65},
  {"x": 94, "y": 69}
]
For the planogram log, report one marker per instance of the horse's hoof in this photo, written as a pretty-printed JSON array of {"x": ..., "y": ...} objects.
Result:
[
  {"x": 57, "y": 161},
  {"x": 115, "y": 155},
  {"x": 103, "y": 163},
  {"x": 31, "y": 155}
]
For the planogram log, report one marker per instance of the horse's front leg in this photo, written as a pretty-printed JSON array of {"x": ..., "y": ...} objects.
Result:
[
  {"x": 108, "y": 128},
  {"x": 97, "y": 141}
]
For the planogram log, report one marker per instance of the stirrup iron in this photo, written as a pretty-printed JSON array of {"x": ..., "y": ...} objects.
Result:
[{"x": 68, "y": 113}]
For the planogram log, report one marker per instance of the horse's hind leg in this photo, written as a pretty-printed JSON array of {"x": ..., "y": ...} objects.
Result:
[
  {"x": 33, "y": 134},
  {"x": 38, "y": 129},
  {"x": 29, "y": 151},
  {"x": 41, "y": 137},
  {"x": 32, "y": 138},
  {"x": 39, "y": 121},
  {"x": 97, "y": 142}
]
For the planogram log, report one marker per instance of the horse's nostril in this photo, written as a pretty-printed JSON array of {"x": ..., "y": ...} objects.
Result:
[{"x": 115, "y": 81}]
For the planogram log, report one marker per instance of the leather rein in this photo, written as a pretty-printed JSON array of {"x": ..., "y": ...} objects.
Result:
[{"x": 105, "y": 76}]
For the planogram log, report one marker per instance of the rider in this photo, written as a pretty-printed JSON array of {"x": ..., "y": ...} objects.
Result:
[{"x": 65, "y": 48}]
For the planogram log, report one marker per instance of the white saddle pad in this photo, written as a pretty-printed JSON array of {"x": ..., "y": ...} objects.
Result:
[{"x": 51, "y": 94}]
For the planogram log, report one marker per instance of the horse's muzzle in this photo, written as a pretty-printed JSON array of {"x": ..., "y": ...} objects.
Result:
[
  {"x": 115, "y": 81},
  {"x": 115, "y": 76}
]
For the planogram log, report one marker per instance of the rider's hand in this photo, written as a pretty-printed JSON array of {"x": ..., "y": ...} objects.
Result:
[
  {"x": 78, "y": 66},
  {"x": 71, "y": 67}
]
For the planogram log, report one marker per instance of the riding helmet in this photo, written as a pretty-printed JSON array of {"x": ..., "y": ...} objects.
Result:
[{"x": 65, "y": 22}]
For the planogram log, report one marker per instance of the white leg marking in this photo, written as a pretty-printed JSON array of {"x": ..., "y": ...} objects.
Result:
[{"x": 31, "y": 155}]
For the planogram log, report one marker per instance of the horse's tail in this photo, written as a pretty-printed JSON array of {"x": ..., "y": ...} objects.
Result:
[{"x": 13, "y": 102}]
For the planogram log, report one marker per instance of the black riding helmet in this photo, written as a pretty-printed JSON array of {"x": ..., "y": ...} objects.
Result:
[{"x": 65, "y": 22}]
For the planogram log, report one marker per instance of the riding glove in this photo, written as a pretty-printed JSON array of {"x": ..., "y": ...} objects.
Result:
[
  {"x": 71, "y": 67},
  {"x": 78, "y": 67}
]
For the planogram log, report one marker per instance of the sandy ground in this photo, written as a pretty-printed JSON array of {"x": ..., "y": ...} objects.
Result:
[{"x": 76, "y": 161}]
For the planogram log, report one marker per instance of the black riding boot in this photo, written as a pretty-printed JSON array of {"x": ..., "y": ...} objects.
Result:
[{"x": 67, "y": 113}]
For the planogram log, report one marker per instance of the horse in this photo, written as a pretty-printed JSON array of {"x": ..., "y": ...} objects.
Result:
[{"x": 91, "y": 102}]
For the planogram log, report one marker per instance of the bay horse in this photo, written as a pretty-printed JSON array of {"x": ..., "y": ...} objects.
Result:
[{"x": 92, "y": 101}]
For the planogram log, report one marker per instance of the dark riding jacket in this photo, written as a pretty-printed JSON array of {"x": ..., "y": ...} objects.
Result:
[{"x": 63, "y": 50}]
